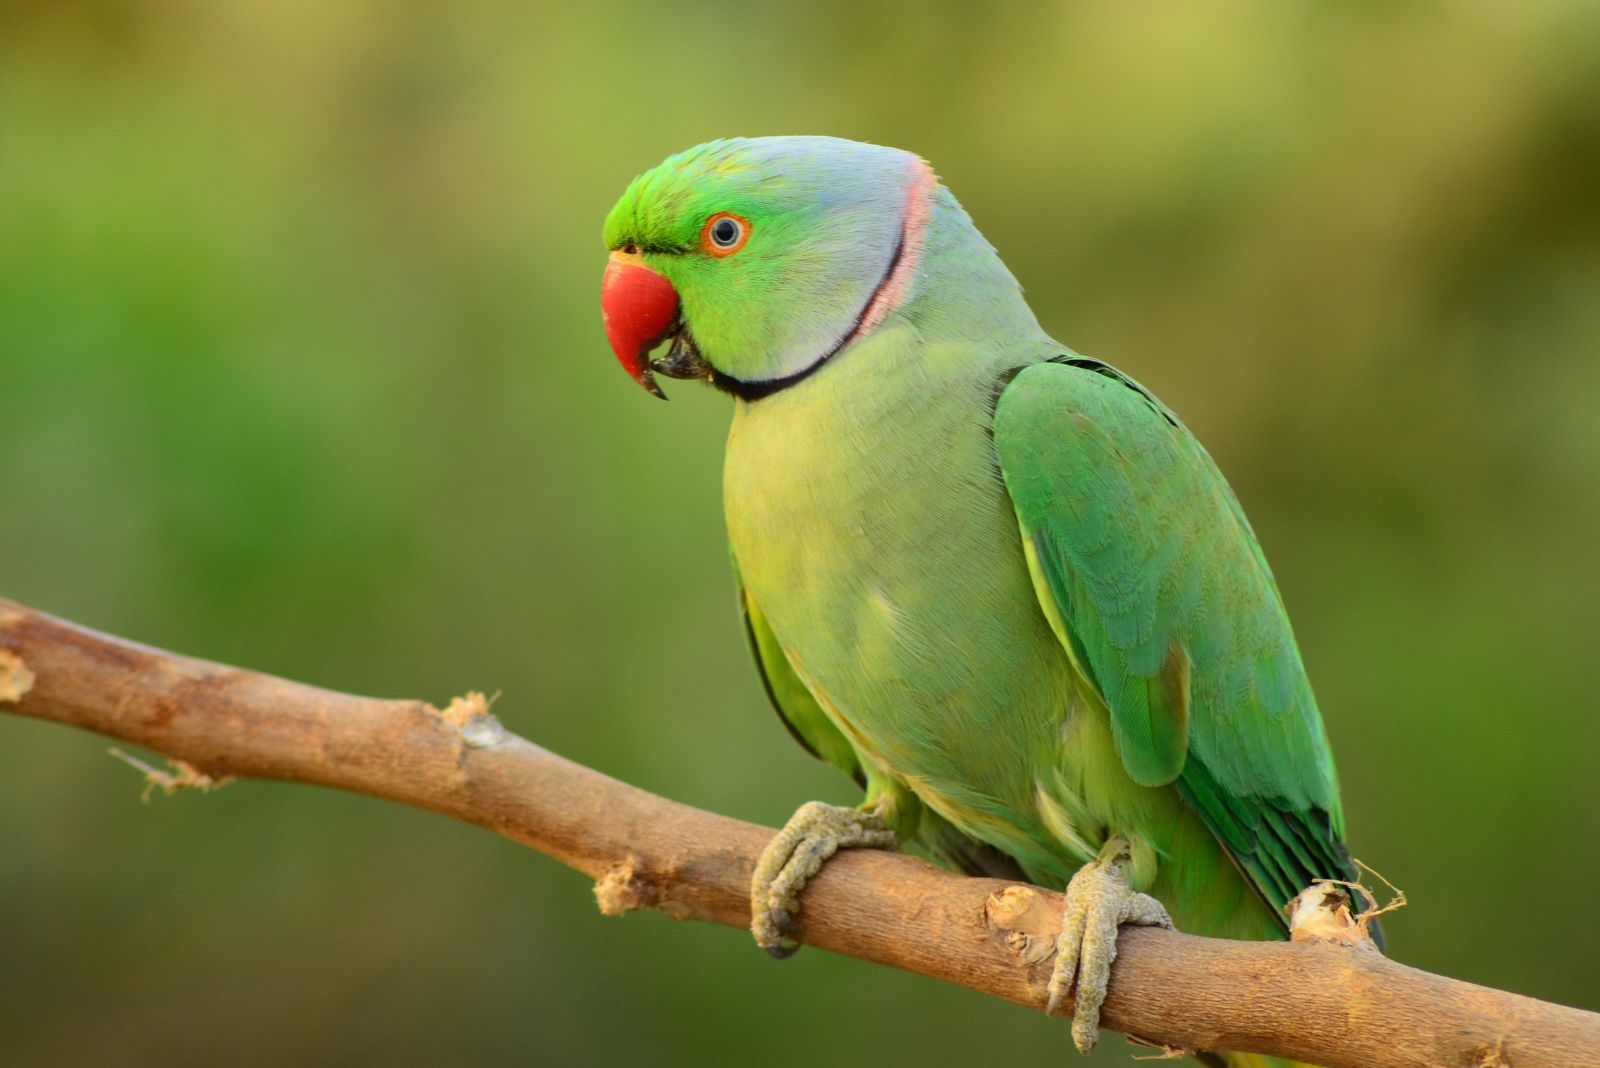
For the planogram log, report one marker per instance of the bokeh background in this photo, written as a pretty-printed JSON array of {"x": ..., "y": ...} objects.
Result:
[{"x": 301, "y": 368}]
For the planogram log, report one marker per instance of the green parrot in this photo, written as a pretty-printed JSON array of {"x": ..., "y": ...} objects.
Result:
[{"x": 998, "y": 583}]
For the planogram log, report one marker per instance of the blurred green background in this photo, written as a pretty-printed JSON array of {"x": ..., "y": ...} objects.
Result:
[{"x": 301, "y": 368}]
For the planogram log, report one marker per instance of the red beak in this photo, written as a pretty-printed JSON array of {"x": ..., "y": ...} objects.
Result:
[{"x": 641, "y": 311}]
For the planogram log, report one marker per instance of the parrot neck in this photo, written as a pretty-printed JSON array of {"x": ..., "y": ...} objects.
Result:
[{"x": 961, "y": 291}]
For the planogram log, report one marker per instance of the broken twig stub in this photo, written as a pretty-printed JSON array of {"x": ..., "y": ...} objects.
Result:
[
  {"x": 471, "y": 718},
  {"x": 1323, "y": 912},
  {"x": 615, "y": 893},
  {"x": 183, "y": 776},
  {"x": 15, "y": 678},
  {"x": 627, "y": 887},
  {"x": 1027, "y": 920}
]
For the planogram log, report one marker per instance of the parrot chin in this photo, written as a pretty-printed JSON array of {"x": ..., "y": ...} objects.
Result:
[{"x": 683, "y": 359}]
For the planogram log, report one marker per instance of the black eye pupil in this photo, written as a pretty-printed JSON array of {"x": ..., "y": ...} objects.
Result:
[{"x": 724, "y": 232}]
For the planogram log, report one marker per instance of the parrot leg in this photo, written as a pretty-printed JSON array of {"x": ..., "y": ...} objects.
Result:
[
  {"x": 1099, "y": 899},
  {"x": 813, "y": 834}
]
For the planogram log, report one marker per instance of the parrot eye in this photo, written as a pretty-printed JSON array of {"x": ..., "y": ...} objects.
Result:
[{"x": 725, "y": 233}]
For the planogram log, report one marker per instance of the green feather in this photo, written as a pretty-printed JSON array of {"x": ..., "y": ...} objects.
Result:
[
  {"x": 795, "y": 705},
  {"x": 1168, "y": 603},
  {"x": 1005, "y": 587}
]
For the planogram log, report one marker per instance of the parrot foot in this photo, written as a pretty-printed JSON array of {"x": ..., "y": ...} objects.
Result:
[
  {"x": 1099, "y": 899},
  {"x": 813, "y": 834}
]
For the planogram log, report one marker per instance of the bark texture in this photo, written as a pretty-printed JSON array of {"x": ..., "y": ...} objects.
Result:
[{"x": 1322, "y": 1002}]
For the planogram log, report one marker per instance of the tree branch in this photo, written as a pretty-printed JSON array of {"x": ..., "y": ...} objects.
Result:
[{"x": 1323, "y": 1003}]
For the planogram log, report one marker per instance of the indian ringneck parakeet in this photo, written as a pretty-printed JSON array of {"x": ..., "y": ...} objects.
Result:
[{"x": 997, "y": 582}]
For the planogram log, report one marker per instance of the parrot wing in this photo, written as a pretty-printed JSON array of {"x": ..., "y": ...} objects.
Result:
[{"x": 1153, "y": 581}]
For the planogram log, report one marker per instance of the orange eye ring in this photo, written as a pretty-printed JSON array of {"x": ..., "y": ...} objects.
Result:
[{"x": 719, "y": 239}]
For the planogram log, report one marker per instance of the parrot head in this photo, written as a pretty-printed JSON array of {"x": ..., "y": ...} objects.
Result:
[{"x": 760, "y": 258}]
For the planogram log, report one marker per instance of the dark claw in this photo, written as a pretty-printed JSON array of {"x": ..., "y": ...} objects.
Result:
[{"x": 785, "y": 922}]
